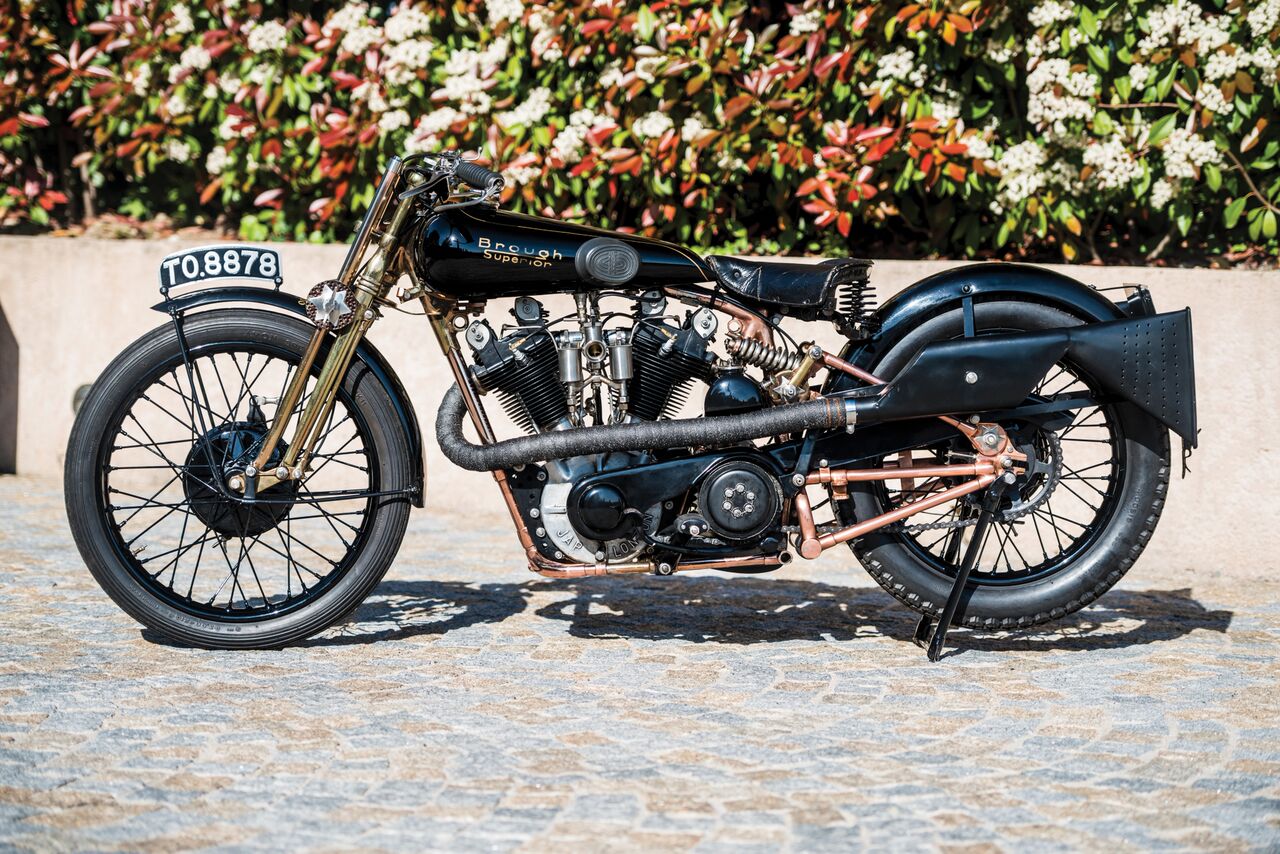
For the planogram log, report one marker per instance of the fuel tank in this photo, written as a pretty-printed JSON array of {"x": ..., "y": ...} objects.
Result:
[{"x": 481, "y": 252}]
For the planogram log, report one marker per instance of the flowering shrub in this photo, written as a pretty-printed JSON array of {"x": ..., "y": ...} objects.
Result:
[{"x": 955, "y": 126}]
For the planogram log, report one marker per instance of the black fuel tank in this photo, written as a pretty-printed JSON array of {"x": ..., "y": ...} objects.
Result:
[{"x": 480, "y": 252}]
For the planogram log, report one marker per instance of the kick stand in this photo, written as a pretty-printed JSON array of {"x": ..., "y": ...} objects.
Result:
[{"x": 934, "y": 643}]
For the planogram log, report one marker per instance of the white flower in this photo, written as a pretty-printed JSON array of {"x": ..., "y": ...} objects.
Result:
[
  {"x": 181, "y": 21},
  {"x": 1161, "y": 193},
  {"x": 229, "y": 84},
  {"x": 393, "y": 121},
  {"x": 979, "y": 148},
  {"x": 268, "y": 36},
  {"x": 1001, "y": 53},
  {"x": 530, "y": 111},
  {"x": 520, "y": 174},
  {"x": 546, "y": 47},
  {"x": 1138, "y": 76},
  {"x": 652, "y": 125},
  {"x": 806, "y": 22},
  {"x": 1057, "y": 93},
  {"x": 1262, "y": 18},
  {"x": 1185, "y": 152},
  {"x": 196, "y": 57},
  {"x": 1211, "y": 98},
  {"x": 504, "y": 10},
  {"x": 647, "y": 67},
  {"x": 1220, "y": 66},
  {"x": 692, "y": 128},
  {"x": 567, "y": 146},
  {"x": 360, "y": 39},
  {"x": 177, "y": 151},
  {"x": 406, "y": 23},
  {"x": 404, "y": 59},
  {"x": 1021, "y": 172},
  {"x": 231, "y": 129},
  {"x": 1050, "y": 12},
  {"x": 611, "y": 76},
  {"x": 346, "y": 19},
  {"x": 1113, "y": 166},
  {"x": 1184, "y": 23},
  {"x": 260, "y": 74},
  {"x": 217, "y": 161},
  {"x": 438, "y": 121},
  {"x": 899, "y": 65},
  {"x": 176, "y": 105},
  {"x": 142, "y": 80},
  {"x": 1266, "y": 62}
]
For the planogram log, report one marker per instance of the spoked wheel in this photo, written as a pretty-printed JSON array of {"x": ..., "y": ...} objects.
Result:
[
  {"x": 148, "y": 466},
  {"x": 1067, "y": 530}
]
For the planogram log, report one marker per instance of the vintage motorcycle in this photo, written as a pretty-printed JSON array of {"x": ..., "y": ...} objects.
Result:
[{"x": 992, "y": 443}]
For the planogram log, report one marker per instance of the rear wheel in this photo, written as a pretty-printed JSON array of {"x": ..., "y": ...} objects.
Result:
[
  {"x": 151, "y": 448},
  {"x": 1067, "y": 531}
]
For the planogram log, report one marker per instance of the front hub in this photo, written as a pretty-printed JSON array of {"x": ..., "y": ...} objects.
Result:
[{"x": 218, "y": 455}]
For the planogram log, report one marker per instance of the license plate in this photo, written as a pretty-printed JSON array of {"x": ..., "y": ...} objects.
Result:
[{"x": 224, "y": 261}]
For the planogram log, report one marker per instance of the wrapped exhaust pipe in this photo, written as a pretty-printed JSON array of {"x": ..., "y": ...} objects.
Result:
[{"x": 821, "y": 414}]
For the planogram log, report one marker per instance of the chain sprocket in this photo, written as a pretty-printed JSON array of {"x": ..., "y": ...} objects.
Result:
[{"x": 1051, "y": 469}]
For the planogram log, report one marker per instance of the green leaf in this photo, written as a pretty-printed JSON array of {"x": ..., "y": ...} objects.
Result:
[
  {"x": 1232, "y": 214},
  {"x": 38, "y": 215},
  {"x": 646, "y": 22},
  {"x": 1088, "y": 22},
  {"x": 1213, "y": 177},
  {"x": 1166, "y": 82},
  {"x": 1269, "y": 224},
  {"x": 1099, "y": 55},
  {"x": 1102, "y": 124},
  {"x": 1161, "y": 128}
]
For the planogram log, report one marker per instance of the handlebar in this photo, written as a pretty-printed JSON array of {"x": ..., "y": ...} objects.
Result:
[{"x": 478, "y": 177}]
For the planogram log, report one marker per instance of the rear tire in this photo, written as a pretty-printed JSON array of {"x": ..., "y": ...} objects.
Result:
[
  {"x": 120, "y": 565},
  {"x": 922, "y": 582}
]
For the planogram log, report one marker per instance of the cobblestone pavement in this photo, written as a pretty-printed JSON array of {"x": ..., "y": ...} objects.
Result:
[{"x": 472, "y": 707}]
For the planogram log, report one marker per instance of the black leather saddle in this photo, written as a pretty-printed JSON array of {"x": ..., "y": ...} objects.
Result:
[{"x": 786, "y": 282}]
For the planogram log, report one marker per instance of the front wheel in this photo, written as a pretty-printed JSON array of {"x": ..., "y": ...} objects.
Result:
[
  {"x": 154, "y": 439},
  {"x": 1065, "y": 533}
]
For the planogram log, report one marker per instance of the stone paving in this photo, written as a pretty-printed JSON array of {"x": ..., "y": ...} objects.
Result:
[{"x": 472, "y": 706}]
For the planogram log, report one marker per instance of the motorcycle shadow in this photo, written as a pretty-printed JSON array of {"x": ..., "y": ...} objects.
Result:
[
  {"x": 399, "y": 610},
  {"x": 750, "y": 611}
]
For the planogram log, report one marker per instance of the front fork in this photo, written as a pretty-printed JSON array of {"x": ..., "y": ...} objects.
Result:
[{"x": 370, "y": 282}]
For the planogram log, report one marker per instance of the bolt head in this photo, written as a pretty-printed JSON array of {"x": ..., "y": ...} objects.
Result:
[
  {"x": 282, "y": 473},
  {"x": 739, "y": 488},
  {"x": 541, "y": 532},
  {"x": 970, "y": 377},
  {"x": 235, "y": 483},
  {"x": 1009, "y": 477},
  {"x": 737, "y": 514},
  {"x": 973, "y": 419},
  {"x": 797, "y": 479},
  {"x": 990, "y": 440},
  {"x": 823, "y": 463},
  {"x": 751, "y": 496},
  {"x": 250, "y": 471},
  {"x": 728, "y": 505},
  {"x": 728, "y": 493},
  {"x": 535, "y": 512},
  {"x": 1007, "y": 463},
  {"x": 695, "y": 531},
  {"x": 748, "y": 507}
]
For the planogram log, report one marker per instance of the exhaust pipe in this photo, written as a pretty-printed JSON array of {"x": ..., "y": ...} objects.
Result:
[{"x": 824, "y": 414}]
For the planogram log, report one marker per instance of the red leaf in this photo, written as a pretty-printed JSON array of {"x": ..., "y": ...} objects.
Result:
[
  {"x": 596, "y": 26},
  {"x": 208, "y": 192}
]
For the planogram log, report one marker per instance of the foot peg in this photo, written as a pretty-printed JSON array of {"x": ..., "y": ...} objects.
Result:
[{"x": 951, "y": 611}]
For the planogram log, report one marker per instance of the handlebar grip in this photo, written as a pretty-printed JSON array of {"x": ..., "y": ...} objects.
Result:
[{"x": 477, "y": 176}]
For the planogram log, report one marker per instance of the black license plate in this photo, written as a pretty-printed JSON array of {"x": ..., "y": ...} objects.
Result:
[{"x": 224, "y": 261}]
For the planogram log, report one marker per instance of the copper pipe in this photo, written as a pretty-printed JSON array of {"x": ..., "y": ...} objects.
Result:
[
  {"x": 753, "y": 327},
  {"x": 860, "y": 475},
  {"x": 555, "y": 569},
  {"x": 854, "y": 531},
  {"x": 838, "y": 364},
  {"x": 810, "y": 548}
]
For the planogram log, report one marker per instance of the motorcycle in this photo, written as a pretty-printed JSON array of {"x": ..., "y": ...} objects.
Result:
[{"x": 992, "y": 443}]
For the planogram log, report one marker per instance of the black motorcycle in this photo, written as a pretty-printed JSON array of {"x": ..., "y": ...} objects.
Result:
[{"x": 992, "y": 443}]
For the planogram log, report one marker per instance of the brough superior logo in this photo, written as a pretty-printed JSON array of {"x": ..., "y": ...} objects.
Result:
[{"x": 510, "y": 253}]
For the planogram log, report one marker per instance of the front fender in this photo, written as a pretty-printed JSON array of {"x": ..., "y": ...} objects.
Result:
[{"x": 365, "y": 352}]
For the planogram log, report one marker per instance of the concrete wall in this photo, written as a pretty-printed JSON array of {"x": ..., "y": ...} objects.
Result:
[{"x": 74, "y": 303}]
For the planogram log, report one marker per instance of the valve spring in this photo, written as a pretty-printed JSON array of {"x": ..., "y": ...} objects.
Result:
[{"x": 771, "y": 359}]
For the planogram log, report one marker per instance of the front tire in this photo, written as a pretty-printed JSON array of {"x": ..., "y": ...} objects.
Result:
[
  {"x": 1097, "y": 554},
  {"x": 198, "y": 568}
]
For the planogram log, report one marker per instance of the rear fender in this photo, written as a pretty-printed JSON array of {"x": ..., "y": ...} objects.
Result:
[
  {"x": 366, "y": 352},
  {"x": 1146, "y": 361},
  {"x": 950, "y": 289}
]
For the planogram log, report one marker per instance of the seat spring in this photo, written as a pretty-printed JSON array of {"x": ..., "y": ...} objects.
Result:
[{"x": 771, "y": 359}]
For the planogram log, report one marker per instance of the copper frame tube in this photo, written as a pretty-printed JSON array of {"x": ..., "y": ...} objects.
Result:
[
  {"x": 917, "y": 472},
  {"x": 852, "y": 532},
  {"x": 753, "y": 327}
]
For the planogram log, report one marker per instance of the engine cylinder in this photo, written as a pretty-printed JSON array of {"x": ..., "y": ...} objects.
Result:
[
  {"x": 523, "y": 369},
  {"x": 666, "y": 360}
]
